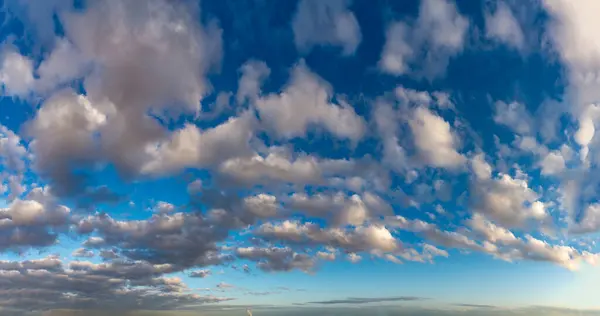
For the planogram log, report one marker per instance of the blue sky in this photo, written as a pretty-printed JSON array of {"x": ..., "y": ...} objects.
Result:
[{"x": 330, "y": 157}]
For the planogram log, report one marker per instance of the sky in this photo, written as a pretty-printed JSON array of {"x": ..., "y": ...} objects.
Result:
[{"x": 330, "y": 157}]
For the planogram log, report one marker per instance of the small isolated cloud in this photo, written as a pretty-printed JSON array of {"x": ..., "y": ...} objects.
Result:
[{"x": 200, "y": 274}]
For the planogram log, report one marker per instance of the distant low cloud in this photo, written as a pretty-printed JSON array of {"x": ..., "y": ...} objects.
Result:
[{"x": 359, "y": 300}]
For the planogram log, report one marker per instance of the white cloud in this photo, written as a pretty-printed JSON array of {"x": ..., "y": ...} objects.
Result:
[
  {"x": 397, "y": 53},
  {"x": 501, "y": 25},
  {"x": 253, "y": 74},
  {"x": 386, "y": 120},
  {"x": 163, "y": 207},
  {"x": 307, "y": 100},
  {"x": 16, "y": 74},
  {"x": 434, "y": 140},
  {"x": 64, "y": 64},
  {"x": 481, "y": 168},
  {"x": 354, "y": 258},
  {"x": 589, "y": 222},
  {"x": 12, "y": 150},
  {"x": 553, "y": 163},
  {"x": 262, "y": 205},
  {"x": 514, "y": 115},
  {"x": 507, "y": 200},
  {"x": 326, "y": 23},
  {"x": 490, "y": 231},
  {"x": 340, "y": 209},
  {"x": 63, "y": 131},
  {"x": 440, "y": 29},
  {"x": 327, "y": 256},
  {"x": 192, "y": 147}
]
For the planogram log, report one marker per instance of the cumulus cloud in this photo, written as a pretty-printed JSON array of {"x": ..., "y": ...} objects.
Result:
[
  {"x": 326, "y": 23},
  {"x": 29, "y": 223},
  {"x": 277, "y": 259},
  {"x": 508, "y": 200},
  {"x": 200, "y": 274},
  {"x": 306, "y": 100},
  {"x": 192, "y": 147},
  {"x": 501, "y": 25},
  {"x": 440, "y": 28},
  {"x": 90, "y": 286},
  {"x": 434, "y": 140},
  {"x": 340, "y": 210},
  {"x": 286, "y": 167},
  {"x": 513, "y": 115},
  {"x": 16, "y": 74}
]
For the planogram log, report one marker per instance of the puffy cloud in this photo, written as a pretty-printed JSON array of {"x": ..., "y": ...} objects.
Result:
[
  {"x": 63, "y": 136},
  {"x": 16, "y": 74},
  {"x": 433, "y": 233},
  {"x": 278, "y": 166},
  {"x": 82, "y": 253},
  {"x": 191, "y": 147},
  {"x": 386, "y": 120},
  {"x": 513, "y": 115},
  {"x": 277, "y": 259},
  {"x": 64, "y": 64},
  {"x": 163, "y": 207},
  {"x": 434, "y": 140},
  {"x": 498, "y": 242},
  {"x": 489, "y": 231},
  {"x": 589, "y": 222},
  {"x": 501, "y": 25},
  {"x": 366, "y": 238},
  {"x": 326, "y": 23},
  {"x": 553, "y": 163},
  {"x": 338, "y": 208},
  {"x": 327, "y": 256},
  {"x": 12, "y": 150},
  {"x": 85, "y": 285},
  {"x": 29, "y": 223},
  {"x": 307, "y": 100},
  {"x": 354, "y": 258},
  {"x": 440, "y": 29},
  {"x": 253, "y": 74},
  {"x": 200, "y": 274},
  {"x": 262, "y": 205},
  {"x": 507, "y": 200},
  {"x": 146, "y": 62},
  {"x": 181, "y": 240}
]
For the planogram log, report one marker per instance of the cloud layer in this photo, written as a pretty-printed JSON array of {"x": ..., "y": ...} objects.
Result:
[{"x": 286, "y": 165}]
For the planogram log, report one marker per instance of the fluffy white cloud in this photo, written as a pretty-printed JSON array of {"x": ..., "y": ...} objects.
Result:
[
  {"x": 589, "y": 222},
  {"x": 501, "y": 25},
  {"x": 326, "y": 23},
  {"x": 367, "y": 238},
  {"x": 192, "y": 147},
  {"x": 340, "y": 209},
  {"x": 553, "y": 163},
  {"x": 253, "y": 74},
  {"x": 440, "y": 29},
  {"x": 433, "y": 137},
  {"x": 29, "y": 223},
  {"x": 507, "y": 200},
  {"x": 163, "y": 207},
  {"x": 307, "y": 100},
  {"x": 514, "y": 115},
  {"x": 63, "y": 134},
  {"x": 16, "y": 74},
  {"x": 262, "y": 205}
]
